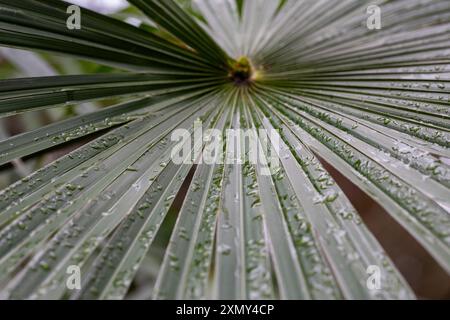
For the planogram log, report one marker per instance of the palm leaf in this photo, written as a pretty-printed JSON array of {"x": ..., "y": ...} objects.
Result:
[{"x": 374, "y": 105}]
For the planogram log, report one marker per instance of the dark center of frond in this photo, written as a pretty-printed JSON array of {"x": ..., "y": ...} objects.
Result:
[{"x": 241, "y": 71}]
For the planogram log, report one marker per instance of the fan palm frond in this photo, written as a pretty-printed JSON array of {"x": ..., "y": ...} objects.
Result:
[{"x": 373, "y": 104}]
